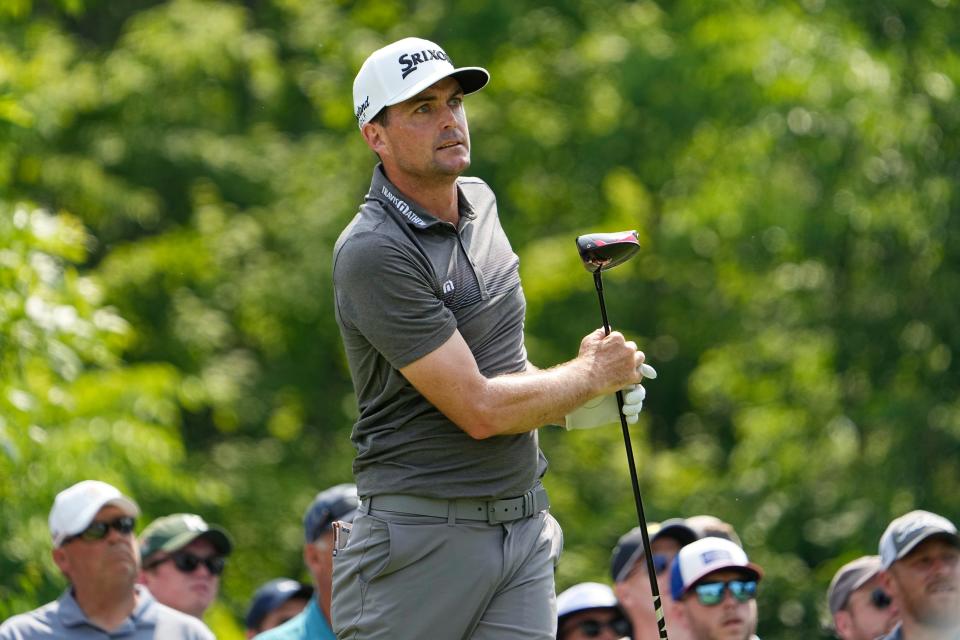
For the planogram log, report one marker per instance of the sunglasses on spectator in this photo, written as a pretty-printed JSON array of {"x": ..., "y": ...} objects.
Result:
[
  {"x": 660, "y": 564},
  {"x": 98, "y": 529},
  {"x": 880, "y": 599},
  {"x": 186, "y": 562},
  {"x": 593, "y": 628},
  {"x": 711, "y": 593}
]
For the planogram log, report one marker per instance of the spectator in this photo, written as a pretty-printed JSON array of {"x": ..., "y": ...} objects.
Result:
[
  {"x": 628, "y": 568},
  {"x": 313, "y": 623},
  {"x": 183, "y": 558},
  {"x": 274, "y": 603},
  {"x": 714, "y": 588},
  {"x": 920, "y": 562},
  {"x": 430, "y": 309},
  {"x": 92, "y": 524},
  {"x": 711, "y": 526},
  {"x": 590, "y": 610},
  {"x": 860, "y": 608}
]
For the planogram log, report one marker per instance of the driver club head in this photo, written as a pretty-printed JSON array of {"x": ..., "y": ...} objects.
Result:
[{"x": 602, "y": 251}]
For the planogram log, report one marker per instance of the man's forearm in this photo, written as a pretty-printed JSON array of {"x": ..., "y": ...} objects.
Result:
[
  {"x": 520, "y": 402},
  {"x": 514, "y": 403}
]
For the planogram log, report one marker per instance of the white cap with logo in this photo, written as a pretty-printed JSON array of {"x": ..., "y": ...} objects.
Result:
[
  {"x": 403, "y": 69},
  {"x": 75, "y": 507},
  {"x": 705, "y": 556},
  {"x": 584, "y": 596}
]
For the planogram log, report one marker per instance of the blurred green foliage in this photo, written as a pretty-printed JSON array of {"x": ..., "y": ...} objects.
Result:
[{"x": 173, "y": 176}]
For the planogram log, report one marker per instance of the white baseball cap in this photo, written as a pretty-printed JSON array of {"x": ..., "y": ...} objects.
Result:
[
  {"x": 75, "y": 507},
  {"x": 584, "y": 596},
  {"x": 705, "y": 556},
  {"x": 402, "y": 70}
]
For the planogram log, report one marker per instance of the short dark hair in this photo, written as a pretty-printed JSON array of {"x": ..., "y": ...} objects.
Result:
[{"x": 381, "y": 118}]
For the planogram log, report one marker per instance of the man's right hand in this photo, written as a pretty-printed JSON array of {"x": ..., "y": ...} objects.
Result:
[{"x": 612, "y": 362}]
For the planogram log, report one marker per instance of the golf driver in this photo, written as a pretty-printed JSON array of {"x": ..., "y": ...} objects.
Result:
[{"x": 599, "y": 252}]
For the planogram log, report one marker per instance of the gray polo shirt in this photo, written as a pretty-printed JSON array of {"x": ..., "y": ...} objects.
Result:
[
  {"x": 404, "y": 281},
  {"x": 63, "y": 619}
]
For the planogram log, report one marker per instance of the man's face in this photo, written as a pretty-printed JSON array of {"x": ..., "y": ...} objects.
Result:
[
  {"x": 633, "y": 592},
  {"x": 426, "y": 138},
  {"x": 863, "y": 617},
  {"x": 108, "y": 563},
  {"x": 925, "y": 584},
  {"x": 318, "y": 556},
  {"x": 578, "y": 626},
  {"x": 289, "y": 609},
  {"x": 729, "y": 619},
  {"x": 189, "y": 591},
  {"x": 667, "y": 548}
]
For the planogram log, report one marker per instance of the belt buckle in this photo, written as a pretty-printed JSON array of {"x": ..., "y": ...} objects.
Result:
[
  {"x": 492, "y": 512},
  {"x": 528, "y": 504}
]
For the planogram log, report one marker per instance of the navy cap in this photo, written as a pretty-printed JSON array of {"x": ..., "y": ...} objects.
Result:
[
  {"x": 271, "y": 595},
  {"x": 336, "y": 503}
]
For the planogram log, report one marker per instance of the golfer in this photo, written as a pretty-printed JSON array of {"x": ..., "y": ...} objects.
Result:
[{"x": 453, "y": 538}]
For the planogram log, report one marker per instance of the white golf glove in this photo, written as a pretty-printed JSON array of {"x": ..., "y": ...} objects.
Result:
[{"x": 602, "y": 410}]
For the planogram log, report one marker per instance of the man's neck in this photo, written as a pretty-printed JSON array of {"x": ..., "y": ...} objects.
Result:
[
  {"x": 107, "y": 607},
  {"x": 438, "y": 197},
  {"x": 324, "y": 597},
  {"x": 913, "y": 630}
]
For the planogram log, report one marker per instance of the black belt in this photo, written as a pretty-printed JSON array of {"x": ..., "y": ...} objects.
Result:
[{"x": 491, "y": 511}]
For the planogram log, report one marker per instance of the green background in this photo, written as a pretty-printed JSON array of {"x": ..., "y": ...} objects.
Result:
[{"x": 173, "y": 176}]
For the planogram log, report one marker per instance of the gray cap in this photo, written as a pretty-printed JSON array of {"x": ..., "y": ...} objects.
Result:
[
  {"x": 706, "y": 526},
  {"x": 906, "y": 532},
  {"x": 630, "y": 549},
  {"x": 849, "y": 578}
]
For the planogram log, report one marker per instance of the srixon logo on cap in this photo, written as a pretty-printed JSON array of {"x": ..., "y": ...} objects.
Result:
[{"x": 409, "y": 62}]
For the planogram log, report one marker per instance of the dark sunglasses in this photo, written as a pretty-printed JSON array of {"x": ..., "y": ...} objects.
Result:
[
  {"x": 880, "y": 599},
  {"x": 660, "y": 563},
  {"x": 98, "y": 530},
  {"x": 186, "y": 562},
  {"x": 711, "y": 593},
  {"x": 593, "y": 628}
]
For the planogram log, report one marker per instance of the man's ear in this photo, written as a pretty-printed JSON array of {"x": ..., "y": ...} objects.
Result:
[
  {"x": 62, "y": 560},
  {"x": 885, "y": 578},
  {"x": 373, "y": 135},
  {"x": 310, "y": 557},
  {"x": 841, "y": 622},
  {"x": 676, "y": 613}
]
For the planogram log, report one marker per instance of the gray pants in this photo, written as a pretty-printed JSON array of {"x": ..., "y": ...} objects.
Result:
[{"x": 403, "y": 576}]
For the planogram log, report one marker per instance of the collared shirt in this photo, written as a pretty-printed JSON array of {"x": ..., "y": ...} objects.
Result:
[
  {"x": 895, "y": 634},
  {"x": 63, "y": 619},
  {"x": 309, "y": 624},
  {"x": 404, "y": 282}
]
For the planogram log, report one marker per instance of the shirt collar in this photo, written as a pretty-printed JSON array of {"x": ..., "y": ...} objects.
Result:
[
  {"x": 71, "y": 615},
  {"x": 316, "y": 624},
  {"x": 382, "y": 190}
]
